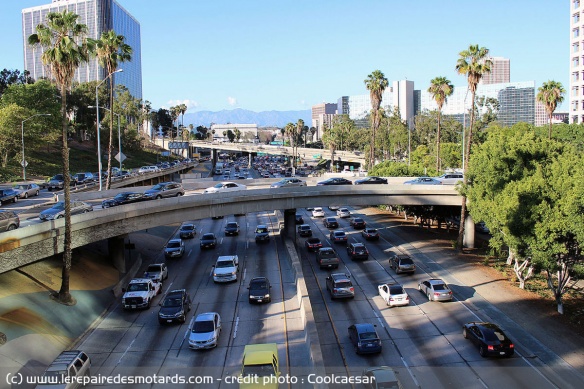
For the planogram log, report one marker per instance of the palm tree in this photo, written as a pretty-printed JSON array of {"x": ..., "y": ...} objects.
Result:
[
  {"x": 174, "y": 114},
  {"x": 65, "y": 48},
  {"x": 376, "y": 84},
  {"x": 312, "y": 132},
  {"x": 297, "y": 134},
  {"x": 111, "y": 51},
  {"x": 289, "y": 130},
  {"x": 550, "y": 94},
  {"x": 473, "y": 62},
  {"x": 183, "y": 108},
  {"x": 440, "y": 89}
]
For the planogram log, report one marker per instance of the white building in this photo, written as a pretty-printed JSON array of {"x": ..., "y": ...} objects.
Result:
[{"x": 576, "y": 91}]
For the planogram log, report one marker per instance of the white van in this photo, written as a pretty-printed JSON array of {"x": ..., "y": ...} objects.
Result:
[{"x": 68, "y": 371}]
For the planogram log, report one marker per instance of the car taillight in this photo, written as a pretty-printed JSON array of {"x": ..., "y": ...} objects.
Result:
[
  {"x": 335, "y": 290},
  {"x": 391, "y": 299},
  {"x": 352, "y": 289},
  {"x": 436, "y": 294},
  {"x": 490, "y": 348},
  {"x": 511, "y": 345},
  {"x": 407, "y": 298}
]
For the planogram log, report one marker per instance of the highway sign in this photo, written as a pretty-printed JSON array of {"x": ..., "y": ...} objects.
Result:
[{"x": 120, "y": 157}]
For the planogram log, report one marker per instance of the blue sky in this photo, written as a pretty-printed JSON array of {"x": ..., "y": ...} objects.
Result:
[{"x": 282, "y": 55}]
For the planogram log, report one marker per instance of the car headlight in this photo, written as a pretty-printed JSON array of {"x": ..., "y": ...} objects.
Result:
[
  {"x": 233, "y": 272},
  {"x": 267, "y": 295},
  {"x": 123, "y": 300}
]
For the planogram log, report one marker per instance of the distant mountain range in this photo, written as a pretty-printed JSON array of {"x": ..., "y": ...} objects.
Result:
[{"x": 243, "y": 116}]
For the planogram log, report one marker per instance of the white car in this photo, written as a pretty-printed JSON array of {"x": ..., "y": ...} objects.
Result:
[
  {"x": 317, "y": 212},
  {"x": 156, "y": 272},
  {"x": 286, "y": 182},
  {"x": 450, "y": 178},
  {"x": 225, "y": 187},
  {"x": 394, "y": 295},
  {"x": 226, "y": 268},
  {"x": 205, "y": 331},
  {"x": 343, "y": 212}
]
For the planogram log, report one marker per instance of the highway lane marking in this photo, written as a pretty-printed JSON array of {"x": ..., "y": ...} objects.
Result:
[
  {"x": 189, "y": 253},
  {"x": 168, "y": 287},
  {"x": 380, "y": 320},
  {"x": 412, "y": 373},
  {"x": 185, "y": 336},
  {"x": 127, "y": 349},
  {"x": 244, "y": 273},
  {"x": 236, "y": 326}
]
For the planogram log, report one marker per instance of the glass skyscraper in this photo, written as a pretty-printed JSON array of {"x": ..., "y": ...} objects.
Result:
[{"x": 99, "y": 16}]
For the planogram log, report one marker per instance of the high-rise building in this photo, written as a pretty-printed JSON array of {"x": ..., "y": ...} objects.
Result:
[
  {"x": 99, "y": 16},
  {"x": 322, "y": 116},
  {"x": 500, "y": 71},
  {"x": 576, "y": 91}
]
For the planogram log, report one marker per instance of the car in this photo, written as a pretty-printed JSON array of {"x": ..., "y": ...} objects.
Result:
[
  {"x": 304, "y": 230},
  {"x": 357, "y": 251},
  {"x": 148, "y": 169},
  {"x": 57, "y": 211},
  {"x": 364, "y": 338},
  {"x": 333, "y": 207},
  {"x": 140, "y": 293},
  {"x": 327, "y": 257},
  {"x": 58, "y": 182},
  {"x": 288, "y": 182},
  {"x": 490, "y": 339},
  {"x": 402, "y": 263},
  {"x": 9, "y": 220},
  {"x": 394, "y": 295},
  {"x": 187, "y": 231},
  {"x": 8, "y": 195},
  {"x": 232, "y": 228},
  {"x": 317, "y": 212},
  {"x": 450, "y": 178},
  {"x": 343, "y": 212},
  {"x": 27, "y": 190},
  {"x": 68, "y": 370},
  {"x": 312, "y": 244},
  {"x": 339, "y": 285},
  {"x": 260, "y": 367},
  {"x": 225, "y": 187},
  {"x": 124, "y": 198},
  {"x": 423, "y": 181},
  {"x": 174, "y": 307},
  {"x": 259, "y": 290},
  {"x": 338, "y": 236},
  {"x": 174, "y": 248},
  {"x": 208, "y": 241},
  {"x": 299, "y": 218},
  {"x": 370, "y": 234},
  {"x": 226, "y": 268},
  {"x": 381, "y": 377},
  {"x": 204, "y": 333},
  {"x": 165, "y": 189},
  {"x": 84, "y": 178},
  {"x": 371, "y": 180},
  {"x": 357, "y": 223},
  {"x": 262, "y": 234},
  {"x": 335, "y": 181},
  {"x": 435, "y": 289},
  {"x": 157, "y": 272},
  {"x": 330, "y": 222}
]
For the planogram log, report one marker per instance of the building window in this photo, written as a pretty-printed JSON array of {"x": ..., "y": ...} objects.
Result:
[
  {"x": 575, "y": 47},
  {"x": 575, "y": 33},
  {"x": 576, "y": 4},
  {"x": 575, "y": 91},
  {"x": 575, "y": 76},
  {"x": 575, "y": 62},
  {"x": 575, "y": 119},
  {"x": 576, "y": 17}
]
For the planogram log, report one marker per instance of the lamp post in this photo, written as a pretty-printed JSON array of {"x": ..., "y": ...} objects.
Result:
[
  {"x": 97, "y": 124},
  {"x": 22, "y": 131},
  {"x": 119, "y": 131}
]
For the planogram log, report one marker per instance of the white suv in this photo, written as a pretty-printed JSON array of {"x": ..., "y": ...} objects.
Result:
[
  {"x": 226, "y": 268},
  {"x": 450, "y": 178}
]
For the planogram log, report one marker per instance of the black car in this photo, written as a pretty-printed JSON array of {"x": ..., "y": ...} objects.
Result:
[
  {"x": 304, "y": 230},
  {"x": 371, "y": 180},
  {"x": 490, "y": 339},
  {"x": 174, "y": 307},
  {"x": 187, "y": 231},
  {"x": 330, "y": 222},
  {"x": 8, "y": 195},
  {"x": 357, "y": 251},
  {"x": 364, "y": 338},
  {"x": 208, "y": 240},
  {"x": 232, "y": 228},
  {"x": 299, "y": 219},
  {"x": 124, "y": 198},
  {"x": 335, "y": 181},
  {"x": 259, "y": 290},
  {"x": 358, "y": 223}
]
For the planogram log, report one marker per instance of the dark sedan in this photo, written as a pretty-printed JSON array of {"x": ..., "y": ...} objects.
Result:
[
  {"x": 313, "y": 244},
  {"x": 358, "y": 223},
  {"x": 330, "y": 222},
  {"x": 335, "y": 181},
  {"x": 370, "y": 234},
  {"x": 371, "y": 180},
  {"x": 208, "y": 240},
  {"x": 8, "y": 195},
  {"x": 124, "y": 198},
  {"x": 490, "y": 339},
  {"x": 364, "y": 338}
]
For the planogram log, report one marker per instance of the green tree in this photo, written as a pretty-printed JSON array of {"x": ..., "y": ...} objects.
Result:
[
  {"x": 111, "y": 51},
  {"x": 376, "y": 84},
  {"x": 473, "y": 63},
  {"x": 65, "y": 48},
  {"x": 11, "y": 116},
  {"x": 13, "y": 77},
  {"x": 237, "y": 133},
  {"x": 230, "y": 135},
  {"x": 440, "y": 88},
  {"x": 550, "y": 94}
]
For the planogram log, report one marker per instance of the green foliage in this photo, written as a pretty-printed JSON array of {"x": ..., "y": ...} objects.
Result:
[{"x": 396, "y": 169}]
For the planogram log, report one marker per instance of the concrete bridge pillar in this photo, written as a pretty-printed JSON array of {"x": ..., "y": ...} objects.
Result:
[
  {"x": 250, "y": 160},
  {"x": 116, "y": 251},
  {"x": 289, "y": 230},
  {"x": 468, "y": 240}
]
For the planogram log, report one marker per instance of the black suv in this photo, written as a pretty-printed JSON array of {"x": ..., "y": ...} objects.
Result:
[
  {"x": 208, "y": 240},
  {"x": 9, "y": 220},
  {"x": 187, "y": 231},
  {"x": 165, "y": 189},
  {"x": 357, "y": 251},
  {"x": 259, "y": 290},
  {"x": 232, "y": 228},
  {"x": 174, "y": 307},
  {"x": 299, "y": 218},
  {"x": 340, "y": 286}
]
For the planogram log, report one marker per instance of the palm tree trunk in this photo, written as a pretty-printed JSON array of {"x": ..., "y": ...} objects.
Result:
[
  {"x": 438, "y": 145},
  {"x": 64, "y": 295},
  {"x": 110, "y": 148},
  {"x": 550, "y": 127},
  {"x": 460, "y": 240}
]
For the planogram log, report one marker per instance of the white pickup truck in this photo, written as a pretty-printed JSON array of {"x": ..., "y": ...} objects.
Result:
[
  {"x": 226, "y": 268},
  {"x": 140, "y": 293}
]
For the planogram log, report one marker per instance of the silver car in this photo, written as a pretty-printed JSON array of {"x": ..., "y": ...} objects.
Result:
[
  {"x": 205, "y": 331},
  {"x": 287, "y": 182},
  {"x": 57, "y": 211},
  {"x": 435, "y": 289},
  {"x": 27, "y": 190}
]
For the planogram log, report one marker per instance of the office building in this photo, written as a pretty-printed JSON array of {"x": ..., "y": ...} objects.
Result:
[
  {"x": 500, "y": 72},
  {"x": 576, "y": 91},
  {"x": 322, "y": 116},
  {"x": 99, "y": 16}
]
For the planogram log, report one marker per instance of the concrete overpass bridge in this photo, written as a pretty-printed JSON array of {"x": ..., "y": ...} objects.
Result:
[{"x": 35, "y": 242}]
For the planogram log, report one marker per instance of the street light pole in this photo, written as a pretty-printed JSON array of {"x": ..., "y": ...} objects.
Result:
[
  {"x": 23, "y": 163},
  {"x": 119, "y": 131},
  {"x": 97, "y": 124}
]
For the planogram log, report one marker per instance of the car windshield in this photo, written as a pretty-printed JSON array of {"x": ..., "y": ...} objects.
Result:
[
  {"x": 494, "y": 336},
  {"x": 258, "y": 285},
  {"x": 154, "y": 269},
  {"x": 188, "y": 227},
  {"x": 406, "y": 261},
  {"x": 258, "y": 370},
  {"x": 172, "y": 302},
  {"x": 440, "y": 287},
  {"x": 343, "y": 284},
  {"x": 339, "y": 233},
  {"x": 261, "y": 230},
  {"x": 358, "y": 221},
  {"x": 327, "y": 254},
  {"x": 138, "y": 287},
  {"x": 60, "y": 205},
  {"x": 368, "y": 335},
  {"x": 121, "y": 196},
  {"x": 371, "y": 231},
  {"x": 21, "y": 187},
  {"x": 157, "y": 187},
  {"x": 203, "y": 326},
  {"x": 173, "y": 245},
  {"x": 208, "y": 237},
  {"x": 224, "y": 263},
  {"x": 218, "y": 186},
  {"x": 359, "y": 249},
  {"x": 231, "y": 225}
]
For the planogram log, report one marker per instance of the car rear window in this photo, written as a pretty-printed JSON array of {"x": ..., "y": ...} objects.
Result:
[
  {"x": 440, "y": 287},
  {"x": 368, "y": 335},
  {"x": 343, "y": 284},
  {"x": 396, "y": 289},
  {"x": 406, "y": 261}
]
